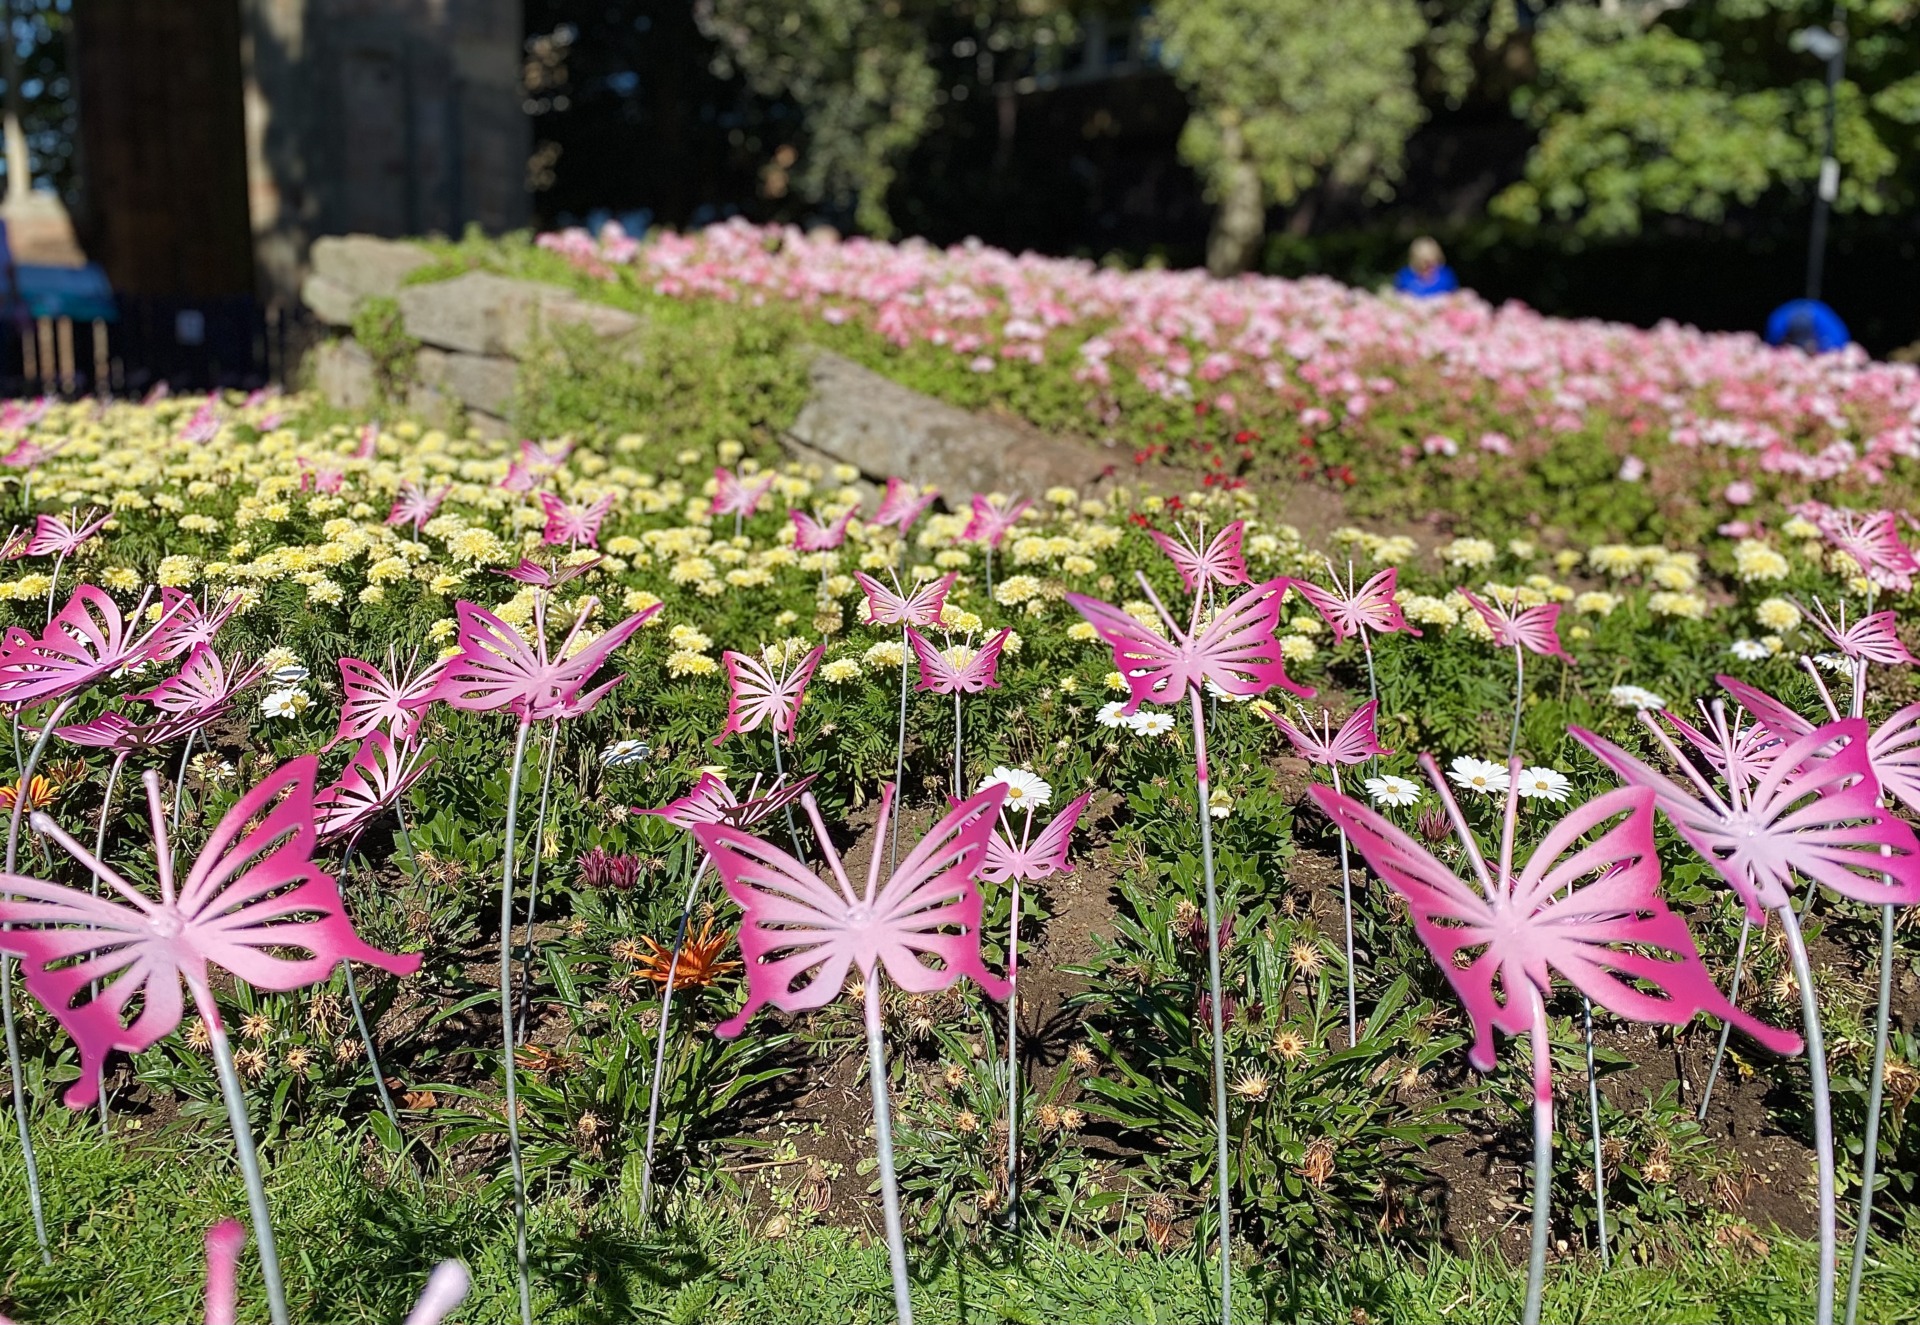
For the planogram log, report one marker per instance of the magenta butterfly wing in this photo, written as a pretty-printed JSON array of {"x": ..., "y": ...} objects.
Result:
[
  {"x": 379, "y": 773},
  {"x": 1237, "y": 651},
  {"x": 887, "y": 607},
  {"x": 201, "y": 685},
  {"x": 186, "y": 626},
  {"x": 62, "y": 536},
  {"x": 1535, "y": 629},
  {"x": 756, "y": 695},
  {"x": 1221, "y": 562},
  {"x": 902, "y": 504},
  {"x": 809, "y": 535},
  {"x": 1371, "y": 607},
  {"x": 1872, "y": 637},
  {"x": 737, "y": 496},
  {"x": 373, "y": 701},
  {"x": 801, "y": 935},
  {"x": 1042, "y": 856},
  {"x": 416, "y": 505},
  {"x": 711, "y": 801},
  {"x": 1355, "y": 742},
  {"x": 86, "y": 640},
  {"x": 942, "y": 677},
  {"x": 1611, "y": 935},
  {"x": 574, "y": 523},
  {"x": 989, "y": 523}
]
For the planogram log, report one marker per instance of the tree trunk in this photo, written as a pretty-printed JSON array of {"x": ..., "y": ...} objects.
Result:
[{"x": 1240, "y": 222}]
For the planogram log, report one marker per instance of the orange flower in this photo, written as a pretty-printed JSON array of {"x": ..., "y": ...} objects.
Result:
[
  {"x": 699, "y": 964},
  {"x": 40, "y": 793}
]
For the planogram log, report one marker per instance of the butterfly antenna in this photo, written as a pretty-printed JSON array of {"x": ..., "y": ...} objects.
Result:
[
  {"x": 162, "y": 850},
  {"x": 1728, "y": 736},
  {"x": 1687, "y": 770},
  {"x": 1459, "y": 822},
  {"x": 1826, "y": 696},
  {"x": 888, "y": 796},
  {"x": 1510, "y": 817},
  {"x": 1154, "y": 598}
]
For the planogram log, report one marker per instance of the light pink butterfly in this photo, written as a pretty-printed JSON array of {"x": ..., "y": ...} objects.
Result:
[
  {"x": 416, "y": 505},
  {"x": 539, "y": 455},
  {"x": 369, "y": 444},
  {"x": 62, "y": 536},
  {"x": 1586, "y": 906},
  {"x": 446, "y": 1287},
  {"x": 574, "y": 524},
  {"x": 123, "y": 736},
  {"x": 809, "y": 535},
  {"x": 1535, "y": 629},
  {"x": 497, "y": 668},
  {"x": 253, "y": 904},
  {"x": 943, "y": 677},
  {"x": 739, "y": 496},
  {"x": 756, "y": 694},
  {"x": 1873, "y": 638},
  {"x": 324, "y": 475},
  {"x": 540, "y": 577},
  {"x": 1220, "y": 562},
  {"x": 1872, "y": 540},
  {"x": 203, "y": 683},
  {"x": 1810, "y": 811},
  {"x": 1893, "y": 748},
  {"x": 801, "y": 934},
  {"x": 1355, "y": 742},
  {"x": 990, "y": 523},
  {"x": 523, "y": 478},
  {"x": 711, "y": 801},
  {"x": 888, "y": 607},
  {"x": 87, "y": 640},
  {"x": 1350, "y": 611},
  {"x": 902, "y": 504},
  {"x": 203, "y": 427},
  {"x": 377, "y": 776},
  {"x": 373, "y": 700},
  {"x": 1236, "y": 652},
  {"x": 185, "y": 626},
  {"x": 1034, "y": 857}
]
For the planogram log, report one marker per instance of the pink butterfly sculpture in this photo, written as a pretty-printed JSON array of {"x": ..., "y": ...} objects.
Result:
[
  {"x": 203, "y": 427},
  {"x": 756, "y": 693},
  {"x": 523, "y": 478},
  {"x": 576, "y": 523},
  {"x": 202, "y": 684},
  {"x": 86, "y": 641},
  {"x": 1355, "y": 743},
  {"x": 416, "y": 505},
  {"x": 992, "y": 521},
  {"x": 1893, "y": 748},
  {"x": 62, "y": 536},
  {"x": 902, "y": 504},
  {"x": 325, "y": 476},
  {"x": 1524, "y": 630},
  {"x": 1812, "y": 810},
  {"x": 373, "y": 700},
  {"x": 801, "y": 935},
  {"x": 544, "y": 457},
  {"x": 970, "y": 673},
  {"x": 739, "y": 497},
  {"x": 1350, "y": 611},
  {"x": 810, "y": 534},
  {"x": 1872, "y": 541},
  {"x": 1220, "y": 562},
  {"x": 1587, "y": 905},
  {"x": 374, "y": 780},
  {"x": 1034, "y": 858},
  {"x": 533, "y": 573},
  {"x": 253, "y": 904},
  {"x": 1873, "y": 638},
  {"x": 894, "y": 607},
  {"x": 497, "y": 668},
  {"x": 368, "y": 444},
  {"x": 710, "y": 801},
  {"x": 185, "y": 626}
]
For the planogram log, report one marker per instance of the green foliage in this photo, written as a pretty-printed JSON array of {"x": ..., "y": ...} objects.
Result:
[{"x": 379, "y": 329}]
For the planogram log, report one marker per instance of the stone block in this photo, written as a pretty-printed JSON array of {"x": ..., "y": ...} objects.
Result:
[
  {"x": 478, "y": 381},
  {"x": 484, "y": 313},
  {"x": 344, "y": 376},
  {"x": 365, "y": 266}
]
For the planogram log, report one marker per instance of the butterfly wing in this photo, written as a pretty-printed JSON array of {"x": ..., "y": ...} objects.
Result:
[
  {"x": 1357, "y": 741},
  {"x": 379, "y": 773},
  {"x": 494, "y": 669},
  {"x": 937, "y": 673},
  {"x": 1156, "y": 671},
  {"x": 930, "y": 907},
  {"x": 980, "y": 672},
  {"x": 373, "y": 701},
  {"x": 1894, "y": 749},
  {"x": 750, "y": 812},
  {"x": 1375, "y": 605},
  {"x": 1047, "y": 853},
  {"x": 1875, "y": 639},
  {"x": 1311, "y": 747},
  {"x": 753, "y": 693},
  {"x": 708, "y": 802},
  {"x": 1238, "y": 652},
  {"x": 566, "y": 695},
  {"x": 884, "y": 606}
]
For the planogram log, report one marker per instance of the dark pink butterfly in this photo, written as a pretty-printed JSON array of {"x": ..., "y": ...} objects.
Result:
[
  {"x": 1350, "y": 611},
  {"x": 1872, "y": 541},
  {"x": 204, "y": 683},
  {"x": 87, "y": 640},
  {"x": 1220, "y": 562},
  {"x": 809, "y": 535},
  {"x": 1535, "y": 629},
  {"x": 377, "y": 776},
  {"x": 497, "y": 668},
  {"x": 888, "y": 607},
  {"x": 1236, "y": 652},
  {"x": 540, "y": 577},
  {"x": 416, "y": 505},
  {"x": 185, "y": 627},
  {"x": 118, "y": 733},
  {"x": 801, "y": 934},
  {"x": 943, "y": 676},
  {"x": 62, "y": 536},
  {"x": 574, "y": 524},
  {"x": 203, "y": 427},
  {"x": 757, "y": 694},
  {"x": 1034, "y": 857},
  {"x": 1355, "y": 742},
  {"x": 739, "y": 496},
  {"x": 373, "y": 700},
  {"x": 1893, "y": 749},
  {"x": 902, "y": 504},
  {"x": 991, "y": 523},
  {"x": 253, "y": 904},
  {"x": 711, "y": 801},
  {"x": 1872, "y": 638},
  {"x": 1811, "y": 811},
  {"x": 1586, "y": 906}
]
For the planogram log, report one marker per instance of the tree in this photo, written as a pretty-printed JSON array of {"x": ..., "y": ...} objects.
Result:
[
  {"x": 1646, "y": 108},
  {"x": 1286, "y": 93}
]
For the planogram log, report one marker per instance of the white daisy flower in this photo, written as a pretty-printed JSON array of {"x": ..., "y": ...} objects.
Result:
[
  {"x": 1214, "y": 690},
  {"x": 1147, "y": 723},
  {"x": 1482, "y": 775},
  {"x": 1110, "y": 714},
  {"x": 285, "y": 704},
  {"x": 622, "y": 753},
  {"x": 1390, "y": 790},
  {"x": 1749, "y": 650},
  {"x": 1544, "y": 784},
  {"x": 1838, "y": 663},
  {"x": 1025, "y": 791},
  {"x": 1634, "y": 697}
]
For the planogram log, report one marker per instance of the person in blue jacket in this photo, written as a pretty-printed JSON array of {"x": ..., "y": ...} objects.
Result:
[
  {"x": 1426, "y": 273},
  {"x": 1806, "y": 324}
]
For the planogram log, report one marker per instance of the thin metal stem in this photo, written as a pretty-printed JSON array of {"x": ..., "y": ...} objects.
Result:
[
  {"x": 780, "y": 772},
  {"x": 899, "y": 759},
  {"x": 1519, "y": 697},
  {"x": 660, "y": 1040},
  {"x": 1822, "y": 1111},
  {"x": 373, "y": 1054},
  {"x": 1219, "y": 1019},
  {"x": 1593, "y": 1115},
  {"x": 1870, "y": 1143},
  {"x": 1346, "y": 899},
  {"x": 1014, "y": 1081},
  {"x": 236, "y": 1102},
  {"x": 989, "y": 574},
  {"x": 959, "y": 775},
  {"x": 533, "y": 885},
  {"x": 883, "y": 1145},
  {"x": 1542, "y": 1157},
  {"x": 506, "y": 1025},
  {"x": 1726, "y": 1027},
  {"x": 54, "y": 587}
]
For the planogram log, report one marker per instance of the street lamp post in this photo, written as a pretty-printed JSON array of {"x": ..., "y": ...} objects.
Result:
[{"x": 1829, "y": 44}]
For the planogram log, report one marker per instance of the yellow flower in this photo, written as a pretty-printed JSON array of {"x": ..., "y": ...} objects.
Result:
[
  {"x": 840, "y": 671},
  {"x": 685, "y": 662},
  {"x": 1614, "y": 559},
  {"x": 1082, "y": 632},
  {"x": 887, "y": 654},
  {"x": 1691, "y": 606},
  {"x": 1754, "y": 560},
  {"x": 1777, "y": 614},
  {"x": 1469, "y": 552},
  {"x": 1596, "y": 602}
]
